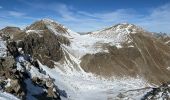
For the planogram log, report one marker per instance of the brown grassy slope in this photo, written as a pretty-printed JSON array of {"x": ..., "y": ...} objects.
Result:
[{"x": 149, "y": 59}]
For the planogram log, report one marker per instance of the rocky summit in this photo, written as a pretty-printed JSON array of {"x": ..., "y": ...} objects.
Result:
[{"x": 48, "y": 61}]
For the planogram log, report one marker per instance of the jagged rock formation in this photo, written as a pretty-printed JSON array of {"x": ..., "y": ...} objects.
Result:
[
  {"x": 46, "y": 48},
  {"x": 16, "y": 77},
  {"x": 12, "y": 81}
]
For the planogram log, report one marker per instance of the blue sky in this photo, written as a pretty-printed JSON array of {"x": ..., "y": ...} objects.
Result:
[{"x": 88, "y": 15}]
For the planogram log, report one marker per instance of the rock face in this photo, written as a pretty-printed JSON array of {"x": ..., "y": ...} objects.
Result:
[
  {"x": 11, "y": 81},
  {"x": 17, "y": 77},
  {"x": 7, "y": 62},
  {"x": 46, "y": 48},
  {"x": 39, "y": 42}
]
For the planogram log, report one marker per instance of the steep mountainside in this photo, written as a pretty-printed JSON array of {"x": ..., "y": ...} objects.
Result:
[
  {"x": 46, "y": 60},
  {"x": 134, "y": 57},
  {"x": 123, "y": 50}
]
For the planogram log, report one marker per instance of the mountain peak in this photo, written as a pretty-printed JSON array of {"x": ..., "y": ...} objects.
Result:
[
  {"x": 47, "y": 20},
  {"x": 49, "y": 24},
  {"x": 124, "y": 23},
  {"x": 41, "y": 24},
  {"x": 50, "y": 21},
  {"x": 125, "y": 28},
  {"x": 130, "y": 28},
  {"x": 119, "y": 32}
]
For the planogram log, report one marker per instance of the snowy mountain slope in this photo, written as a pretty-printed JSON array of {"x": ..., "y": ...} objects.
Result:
[
  {"x": 96, "y": 41},
  {"x": 113, "y": 63}
]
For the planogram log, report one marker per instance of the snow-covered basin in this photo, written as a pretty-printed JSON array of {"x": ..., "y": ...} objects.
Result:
[
  {"x": 80, "y": 86},
  {"x": 87, "y": 44}
]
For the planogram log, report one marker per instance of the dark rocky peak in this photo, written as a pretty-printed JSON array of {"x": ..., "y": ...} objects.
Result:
[
  {"x": 49, "y": 28},
  {"x": 48, "y": 24}
]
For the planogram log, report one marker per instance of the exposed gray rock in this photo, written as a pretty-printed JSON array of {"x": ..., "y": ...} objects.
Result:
[{"x": 159, "y": 93}]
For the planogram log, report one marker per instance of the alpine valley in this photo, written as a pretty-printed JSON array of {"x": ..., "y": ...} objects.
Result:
[{"x": 47, "y": 61}]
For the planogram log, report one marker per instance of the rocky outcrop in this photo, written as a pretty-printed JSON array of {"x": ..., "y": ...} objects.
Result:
[
  {"x": 16, "y": 77},
  {"x": 12, "y": 81},
  {"x": 50, "y": 93},
  {"x": 159, "y": 93},
  {"x": 46, "y": 48},
  {"x": 6, "y": 63}
]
